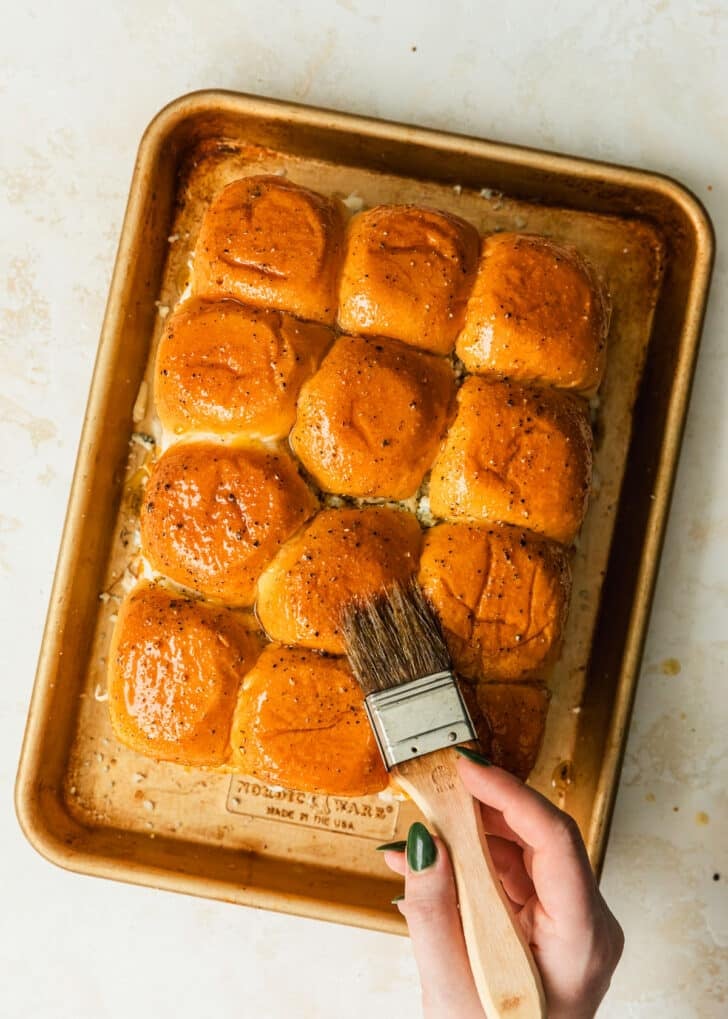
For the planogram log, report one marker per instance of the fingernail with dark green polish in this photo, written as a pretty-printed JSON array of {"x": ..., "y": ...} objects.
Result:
[
  {"x": 396, "y": 899},
  {"x": 394, "y": 847},
  {"x": 473, "y": 755},
  {"x": 421, "y": 849}
]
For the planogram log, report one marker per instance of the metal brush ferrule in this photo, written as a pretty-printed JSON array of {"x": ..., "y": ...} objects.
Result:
[{"x": 419, "y": 717}]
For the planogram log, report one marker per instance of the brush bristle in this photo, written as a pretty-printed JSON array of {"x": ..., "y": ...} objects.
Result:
[{"x": 393, "y": 638}]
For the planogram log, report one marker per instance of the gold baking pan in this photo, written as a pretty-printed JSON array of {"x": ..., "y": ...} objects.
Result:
[{"x": 91, "y": 805}]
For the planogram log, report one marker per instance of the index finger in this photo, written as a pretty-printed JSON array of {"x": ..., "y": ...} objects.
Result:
[{"x": 561, "y": 872}]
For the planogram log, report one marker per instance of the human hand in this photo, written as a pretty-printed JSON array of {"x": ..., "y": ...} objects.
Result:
[{"x": 543, "y": 866}]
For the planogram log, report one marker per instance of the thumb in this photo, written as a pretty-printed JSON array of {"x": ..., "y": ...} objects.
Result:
[{"x": 431, "y": 910}]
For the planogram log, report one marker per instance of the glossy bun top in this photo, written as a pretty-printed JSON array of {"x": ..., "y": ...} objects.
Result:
[
  {"x": 175, "y": 666},
  {"x": 343, "y": 554},
  {"x": 514, "y": 715},
  {"x": 407, "y": 275},
  {"x": 501, "y": 594},
  {"x": 227, "y": 368},
  {"x": 370, "y": 420},
  {"x": 274, "y": 244},
  {"x": 537, "y": 313},
  {"x": 515, "y": 455},
  {"x": 214, "y": 516},
  {"x": 300, "y": 722}
]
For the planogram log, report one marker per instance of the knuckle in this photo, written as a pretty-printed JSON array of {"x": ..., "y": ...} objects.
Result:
[
  {"x": 606, "y": 955},
  {"x": 617, "y": 941},
  {"x": 567, "y": 829}
]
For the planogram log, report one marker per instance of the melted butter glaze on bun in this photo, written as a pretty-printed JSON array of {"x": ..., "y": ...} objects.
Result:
[
  {"x": 342, "y": 554},
  {"x": 300, "y": 722},
  {"x": 371, "y": 419},
  {"x": 273, "y": 244},
  {"x": 515, "y": 455},
  {"x": 407, "y": 274},
  {"x": 214, "y": 516},
  {"x": 537, "y": 313},
  {"x": 175, "y": 666},
  {"x": 227, "y": 368},
  {"x": 501, "y": 594},
  {"x": 515, "y": 713}
]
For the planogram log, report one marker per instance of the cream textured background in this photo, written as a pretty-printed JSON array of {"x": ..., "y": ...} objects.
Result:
[{"x": 636, "y": 82}]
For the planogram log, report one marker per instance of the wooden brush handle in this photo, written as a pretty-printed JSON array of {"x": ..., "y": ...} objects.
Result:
[{"x": 505, "y": 974}]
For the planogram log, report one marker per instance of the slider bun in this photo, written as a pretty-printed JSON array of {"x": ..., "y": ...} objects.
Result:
[
  {"x": 370, "y": 420},
  {"x": 515, "y": 455},
  {"x": 501, "y": 594},
  {"x": 407, "y": 275},
  {"x": 537, "y": 313},
  {"x": 300, "y": 722},
  {"x": 227, "y": 368},
  {"x": 271, "y": 243},
  {"x": 344, "y": 554},
  {"x": 175, "y": 666},
  {"x": 516, "y": 715},
  {"x": 214, "y": 516}
]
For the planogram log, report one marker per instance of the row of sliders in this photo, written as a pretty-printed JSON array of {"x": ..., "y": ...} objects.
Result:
[
  {"x": 370, "y": 422},
  {"x": 512, "y": 305},
  {"x": 194, "y": 684},
  {"x": 501, "y": 592}
]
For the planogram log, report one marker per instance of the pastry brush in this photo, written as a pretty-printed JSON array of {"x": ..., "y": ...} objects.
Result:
[{"x": 398, "y": 654}]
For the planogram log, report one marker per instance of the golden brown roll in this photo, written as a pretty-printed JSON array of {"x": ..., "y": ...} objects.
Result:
[
  {"x": 227, "y": 368},
  {"x": 175, "y": 666},
  {"x": 274, "y": 244},
  {"x": 501, "y": 594},
  {"x": 407, "y": 274},
  {"x": 537, "y": 313},
  {"x": 515, "y": 455},
  {"x": 370, "y": 420},
  {"x": 516, "y": 714},
  {"x": 342, "y": 554},
  {"x": 214, "y": 516},
  {"x": 300, "y": 722}
]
